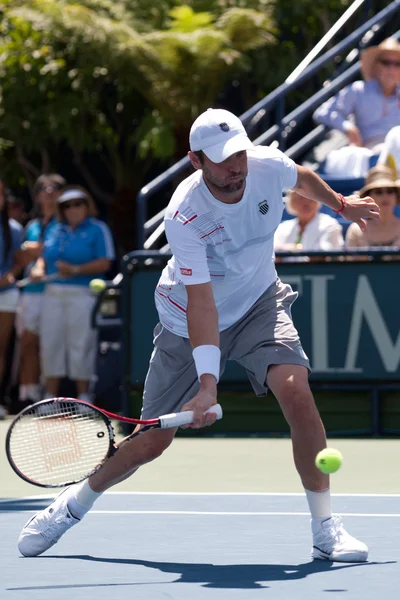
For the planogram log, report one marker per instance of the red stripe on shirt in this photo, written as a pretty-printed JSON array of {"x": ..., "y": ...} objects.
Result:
[
  {"x": 216, "y": 229},
  {"x": 191, "y": 219},
  {"x": 172, "y": 301}
]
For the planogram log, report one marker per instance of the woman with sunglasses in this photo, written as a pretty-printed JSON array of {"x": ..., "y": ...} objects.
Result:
[
  {"x": 11, "y": 236},
  {"x": 46, "y": 190},
  {"x": 79, "y": 249},
  {"x": 365, "y": 111},
  {"x": 382, "y": 186}
]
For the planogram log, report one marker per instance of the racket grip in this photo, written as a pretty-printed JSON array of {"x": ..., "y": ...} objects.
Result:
[{"x": 186, "y": 417}]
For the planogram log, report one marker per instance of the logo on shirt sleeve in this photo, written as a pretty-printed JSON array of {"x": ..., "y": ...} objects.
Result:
[{"x": 187, "y": 272}]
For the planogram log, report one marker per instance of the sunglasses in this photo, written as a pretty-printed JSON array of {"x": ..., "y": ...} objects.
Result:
[
  {"x": 389, "y": 63},
  {"x": 50, "y": 187},
  {"x": 73, "y": 204},
  {"x": 382, "y": 191}
]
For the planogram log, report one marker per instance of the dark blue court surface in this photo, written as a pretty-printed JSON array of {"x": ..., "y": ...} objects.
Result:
[{"x": 194, "y": 546}]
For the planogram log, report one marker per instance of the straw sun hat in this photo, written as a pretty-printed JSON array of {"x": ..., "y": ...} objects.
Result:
[
  {"x": 371, "y": 55},
  {"x": 380, "y": 177}
]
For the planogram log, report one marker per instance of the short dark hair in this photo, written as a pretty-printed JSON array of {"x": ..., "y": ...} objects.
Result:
[{"x": 200, "y": 155}]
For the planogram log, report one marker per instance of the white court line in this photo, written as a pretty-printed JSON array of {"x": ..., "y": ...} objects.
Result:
[
  {"x": 202, "y": 494},
  {"x": 267, "y": 494},
  {"x": 228, "y": 513}
]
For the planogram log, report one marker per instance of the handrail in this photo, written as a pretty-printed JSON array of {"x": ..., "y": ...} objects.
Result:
[
  {"x": 324, "y": 41},
  {"x": 308, "y": 105},
  {"x": 264, "y": 104}
]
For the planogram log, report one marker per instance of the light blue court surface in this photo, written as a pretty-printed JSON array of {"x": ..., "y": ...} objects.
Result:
[{"x": 202, "y": 546}]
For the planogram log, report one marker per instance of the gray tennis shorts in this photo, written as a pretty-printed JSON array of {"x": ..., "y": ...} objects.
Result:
[{"x": 264, "y": 336}]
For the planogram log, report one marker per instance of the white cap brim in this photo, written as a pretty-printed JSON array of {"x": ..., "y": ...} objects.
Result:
[
  {"x": 72, "y": 195},
  {"x": 225, "y": 149}
]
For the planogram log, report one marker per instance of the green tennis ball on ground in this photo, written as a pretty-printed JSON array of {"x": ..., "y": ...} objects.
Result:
[
  {"x": 97, "y": 285},
  {"x": 329, "y": 460}
]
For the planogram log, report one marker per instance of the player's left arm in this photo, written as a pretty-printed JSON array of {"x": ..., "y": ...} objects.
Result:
[{"x": 352, "y": 208}]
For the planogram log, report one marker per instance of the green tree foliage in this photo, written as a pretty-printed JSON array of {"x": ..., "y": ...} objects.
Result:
[{"x": 92, "y": 78}]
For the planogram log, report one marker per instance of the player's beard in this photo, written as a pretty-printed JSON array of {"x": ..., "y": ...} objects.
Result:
[{"x": 225, "y": 186}]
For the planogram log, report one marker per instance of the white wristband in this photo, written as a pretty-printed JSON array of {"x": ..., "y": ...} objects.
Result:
[{"x": 207, "y": 359}]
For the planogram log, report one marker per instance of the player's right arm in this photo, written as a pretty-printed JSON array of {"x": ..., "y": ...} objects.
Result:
[
  {"x": 202, "y": 319},
  {"x": 201, "y": 312}
]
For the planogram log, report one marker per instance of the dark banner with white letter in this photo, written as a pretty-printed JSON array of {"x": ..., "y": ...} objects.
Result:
[{"x": 347, "y": 315}]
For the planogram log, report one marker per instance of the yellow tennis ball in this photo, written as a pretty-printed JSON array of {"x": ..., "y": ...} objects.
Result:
[
  {"x": 329, "y": 460},
  {"x": 97, "y": 285}
]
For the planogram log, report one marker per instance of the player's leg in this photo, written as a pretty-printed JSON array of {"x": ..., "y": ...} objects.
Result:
[
  {"x": 289, "y": 384},
  {"x": 171, "y": 381}
]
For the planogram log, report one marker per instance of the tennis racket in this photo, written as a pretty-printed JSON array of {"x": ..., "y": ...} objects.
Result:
[{"x": 61, "y": 441}]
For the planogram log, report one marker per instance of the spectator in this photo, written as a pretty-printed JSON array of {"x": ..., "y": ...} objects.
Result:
[
  {"x": 366, "y": 110},
  {"x": 45, "y": 193},
  {"x": 310, "y": 229},
  {"x": 382, "y": 186},
  {"x": 10, "y": 243},
  {"x": 79, "y": 249}
]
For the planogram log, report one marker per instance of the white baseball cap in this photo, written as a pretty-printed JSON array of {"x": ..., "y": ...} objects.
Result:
[{"x": 219, "y": 134}]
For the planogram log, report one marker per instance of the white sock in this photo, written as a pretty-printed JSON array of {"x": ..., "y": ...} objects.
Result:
[
  {"x": 320, "y": 504},
  {"x": 81, "y": 499}
]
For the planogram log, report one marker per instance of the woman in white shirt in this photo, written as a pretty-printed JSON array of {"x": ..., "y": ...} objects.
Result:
[{"x": 310, "y": 229}]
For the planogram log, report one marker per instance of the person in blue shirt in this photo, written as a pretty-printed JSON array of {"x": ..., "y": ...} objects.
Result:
[
  {"x": 365, "y": 111},
  {"x": 79, "y": 248},
  {"x": 46, "y": 190},
  {"x": 373, "y": 104},
  {"x": 11, "y": 236}
]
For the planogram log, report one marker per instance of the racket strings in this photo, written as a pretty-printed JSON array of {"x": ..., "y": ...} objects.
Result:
[{"x": 58, "y": 442}]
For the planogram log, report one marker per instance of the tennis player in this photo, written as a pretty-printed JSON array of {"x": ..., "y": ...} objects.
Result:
[{"x": 220, "y": 298}]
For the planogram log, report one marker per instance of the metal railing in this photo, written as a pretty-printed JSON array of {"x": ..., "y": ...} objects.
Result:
[{"x": 284, "y": 124}]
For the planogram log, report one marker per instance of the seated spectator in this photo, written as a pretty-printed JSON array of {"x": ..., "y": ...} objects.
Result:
[
  {"x": 79, "y": 248},
  {"x": 365, "y": 110},
  {"x": 383, "y": 188},
  {"x": 46, "y": 190},
  {"x": 309, "y": 230},
  {"x": 11, "y": 235}
]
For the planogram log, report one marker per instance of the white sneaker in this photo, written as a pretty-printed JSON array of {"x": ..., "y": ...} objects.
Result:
[
  {"x": 332, "y": 542},
  {"x": 45, "y": 528}
]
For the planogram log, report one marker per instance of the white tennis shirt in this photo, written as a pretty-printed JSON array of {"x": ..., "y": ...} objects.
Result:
[{"x": 230, "y": 245}]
